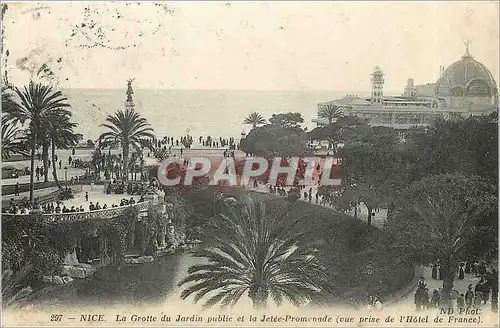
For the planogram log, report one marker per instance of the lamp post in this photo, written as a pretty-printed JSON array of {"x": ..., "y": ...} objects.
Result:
[{"x": 66, "y": 175}]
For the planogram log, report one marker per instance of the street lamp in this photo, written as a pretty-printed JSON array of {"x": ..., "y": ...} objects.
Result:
[{"x": 66, "y": 175}]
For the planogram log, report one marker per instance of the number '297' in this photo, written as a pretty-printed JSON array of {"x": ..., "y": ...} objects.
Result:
[{"x": 56, "y": 317}]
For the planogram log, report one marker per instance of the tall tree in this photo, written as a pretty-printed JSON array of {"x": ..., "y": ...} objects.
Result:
[
  {"x": 330, "y": 112},
  {"x": 287, "y": 120},
  {"x": 38, "y": 104},
  {"x": 256, "y": 252},
  {"x": 447, "y": 217},
  {"x": 371, "y": 168},
  {"x": 275, "y": 140},
  {"x": 12, "y": 143},
  {"x": 466, "y": 145},
  {"x": 344, "y": 130},
  {"x": 8, "y": 102},
  {"x": 127, "y": 128},
  {"x": 254, "y": 119}
]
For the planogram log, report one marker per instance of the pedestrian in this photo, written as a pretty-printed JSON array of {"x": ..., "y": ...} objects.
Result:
[
  {"x": 377, "y": 305},
  {"x": 421, "y": 283},
  {"x": 435, "y": 300},
  {"x": 60, "y": 164},
  {"x": 425, "y": 298},
  {"x": 417, "y": 299},
  {"x": 461, "y": 273},
  {"x": 469, "y": 296},
  {"x": 17, "y": 189},
  {"x": 86, "y": 196},
  {"x": 477, "y": 299},
  {"x": 461, "y": 302},
  {"x": 485, "y": 292},
  {"x": 440, "y": 272},
  {"x": 310, "y": 197},
  {"x": 493, "y": 282},
  {"x": 482, "y": 291},
  {"x": 468, "y": 266},
  {"x": 434, "y": 271}
]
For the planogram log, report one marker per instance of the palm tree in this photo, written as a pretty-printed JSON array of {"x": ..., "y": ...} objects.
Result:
[
  {"x": 254, "y": 119},
  {"x": 11, "y": 142},
  {"x": 8, "y": 103},
  {"x": 258, "y": 253},
  {"x": 127, "y": 128},
  {"x": 38, "y": 104},
  {"x": 330, "y": 112}
]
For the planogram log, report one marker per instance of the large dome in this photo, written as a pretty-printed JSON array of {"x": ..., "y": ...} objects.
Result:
[{"x": 466, "y": 77}]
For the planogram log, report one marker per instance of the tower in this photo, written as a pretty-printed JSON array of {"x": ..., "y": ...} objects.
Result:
[
  {"x": 410, "y": 89},
  {"x": 130, "y": 102},
  {"x": 377, "y": 85}
]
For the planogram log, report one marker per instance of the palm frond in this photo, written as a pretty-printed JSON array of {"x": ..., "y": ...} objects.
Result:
[{"x": 255, "y": 251}]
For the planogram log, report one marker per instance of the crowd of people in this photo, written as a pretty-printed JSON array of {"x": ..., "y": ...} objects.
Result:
[
  {"x": 187, "y": 142},
  {"x": 26, "y": 207},
  {"x": 132, "y": 188},
  {"x": 306, "y": 195},
  {"x": 59, "y": 207},
  {"x": 485, "y": 290}
]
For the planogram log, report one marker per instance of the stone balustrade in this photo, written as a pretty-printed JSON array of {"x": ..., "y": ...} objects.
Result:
[{"x": 108, "y": 213}]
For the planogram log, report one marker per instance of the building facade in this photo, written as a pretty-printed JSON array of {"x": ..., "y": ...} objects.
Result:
[{"x": 465, "y": 88}]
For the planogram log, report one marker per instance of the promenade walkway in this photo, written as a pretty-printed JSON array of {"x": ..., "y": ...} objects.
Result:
[
  {"x": 406, "y": 299},
  {"x": 378, "y": 220}
]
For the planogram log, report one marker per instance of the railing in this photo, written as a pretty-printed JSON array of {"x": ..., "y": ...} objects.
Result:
[{"x": 108, "y": 213}]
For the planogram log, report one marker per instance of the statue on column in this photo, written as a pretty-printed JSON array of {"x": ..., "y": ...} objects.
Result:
[{"x": 130, "y": 91}]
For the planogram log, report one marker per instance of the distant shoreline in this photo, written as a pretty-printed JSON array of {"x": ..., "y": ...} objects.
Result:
[{"x": 359, "y": 93}]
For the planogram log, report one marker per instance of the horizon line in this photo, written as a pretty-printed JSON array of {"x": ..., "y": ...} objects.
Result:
[{"x": 359, "y": 92}]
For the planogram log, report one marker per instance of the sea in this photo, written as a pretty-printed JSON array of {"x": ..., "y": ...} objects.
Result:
[{"x": 176, "y": 113}]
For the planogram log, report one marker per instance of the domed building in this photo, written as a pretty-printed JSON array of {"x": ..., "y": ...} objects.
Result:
[
  {"x": 464, "y": 88},
  {"x": 467, "y": 84}
]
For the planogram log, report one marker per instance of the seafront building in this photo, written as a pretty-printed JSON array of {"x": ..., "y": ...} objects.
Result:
[{"x": 465, "y": 88}]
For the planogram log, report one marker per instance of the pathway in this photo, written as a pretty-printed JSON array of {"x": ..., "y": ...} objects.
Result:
[
  {"x": 407, "y": 299},
  {"x": 26, "y": 195},
  {"x": 378, "y": 220}
]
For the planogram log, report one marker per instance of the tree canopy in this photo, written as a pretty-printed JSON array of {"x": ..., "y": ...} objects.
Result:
[
  {"x": 287, "y": 120},
  {"x": 256, "y": 253},
  {"x": 276, "y": 140},
  {"x": 447, "y": 217}
]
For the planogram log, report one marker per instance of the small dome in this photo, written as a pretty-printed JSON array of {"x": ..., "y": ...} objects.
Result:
[
  {"x": 466, "y": 77},
  {"x": 377, "y": 71}
]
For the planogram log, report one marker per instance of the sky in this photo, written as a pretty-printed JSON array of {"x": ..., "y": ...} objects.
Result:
[{"x": 245, "y": 45}]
